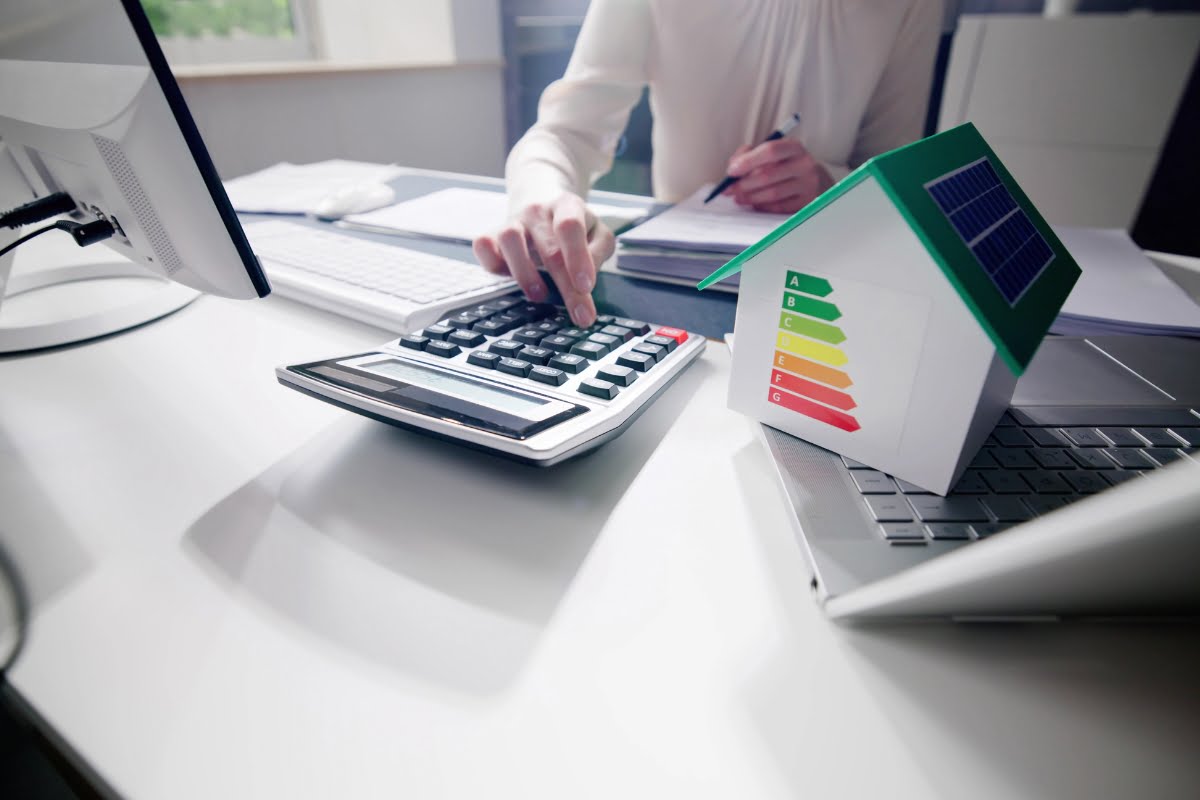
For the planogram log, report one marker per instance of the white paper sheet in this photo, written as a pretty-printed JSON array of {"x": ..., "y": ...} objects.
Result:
[
  {"x": 460, "y": 215},
  {"x": 1120, "y": 290},
  {"x": 720, "y": 226},
  {"x": 299, "y": 188}
]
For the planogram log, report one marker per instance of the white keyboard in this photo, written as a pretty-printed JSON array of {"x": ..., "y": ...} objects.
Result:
[{"x": 387, "y": 285}]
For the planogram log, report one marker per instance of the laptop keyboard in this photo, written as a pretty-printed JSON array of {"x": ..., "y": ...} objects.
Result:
[{"x": 1035, "y": 461}]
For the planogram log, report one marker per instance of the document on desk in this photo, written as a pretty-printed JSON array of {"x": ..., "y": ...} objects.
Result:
[
  {"x": 299, "y": 188},
  {"x": 459, "y": 214},
  {"x": 721, "y": 226},
  {"x": 1120, "y": 290}
]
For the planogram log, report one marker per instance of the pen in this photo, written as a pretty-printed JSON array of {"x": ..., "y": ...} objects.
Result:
[{"x": 781, "y": 132}]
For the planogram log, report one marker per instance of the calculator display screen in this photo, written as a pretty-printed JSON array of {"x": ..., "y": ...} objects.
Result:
[
  {"x": 443, "y": 394},
  {"x": 524, "y": 405}
]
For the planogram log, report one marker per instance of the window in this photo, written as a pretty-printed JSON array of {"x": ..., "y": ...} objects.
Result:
[{"x": 229, "y": 31}]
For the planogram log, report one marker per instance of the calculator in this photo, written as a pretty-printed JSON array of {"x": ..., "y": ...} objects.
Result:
[{"x": 508, "y": 376}]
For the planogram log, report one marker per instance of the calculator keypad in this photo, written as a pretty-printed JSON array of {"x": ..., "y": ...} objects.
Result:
[{"x": 536, "y": 342}]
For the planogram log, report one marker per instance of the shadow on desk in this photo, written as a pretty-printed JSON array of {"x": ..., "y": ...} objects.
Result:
[
  {"x": 433, "y": 560},
  {"x": 1068, "y": 710}
]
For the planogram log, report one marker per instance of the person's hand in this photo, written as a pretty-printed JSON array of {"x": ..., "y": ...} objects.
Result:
[
  {"x": 779, "y": 176},
  {"x": 564, "y": 237}
]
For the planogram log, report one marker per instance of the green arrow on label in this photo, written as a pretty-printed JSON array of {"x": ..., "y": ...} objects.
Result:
[
  {"x": 811, "y": 328},
  {"x": 809, "y": 284},
  {"x": 802, "y": 304}
]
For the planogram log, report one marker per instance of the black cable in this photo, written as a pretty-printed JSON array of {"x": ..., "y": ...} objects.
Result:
[
  {"x": 26, "y": 238},
  {"x": 83, "y": 233},
  {"x": 37, "y": 210}
]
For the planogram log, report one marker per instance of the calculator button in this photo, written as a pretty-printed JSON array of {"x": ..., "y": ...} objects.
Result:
[
  {"x": 677, "y": 335},
  {"x": 639, "y": 361},
  {"x": 574, "y": 333},
  {"x": 611, "y": 342},
  {"x": 590, "y": 350},
  {"x": 624, "y": 334},
  {"x": 605, "y": 319},
  {"x": 550, "y": 375},
  {"x": 463, "y": 321},
  {"x": 491, "y": 327},
  {"x": 569, "y": 362},
  {"x": 514, "y": 366},
  {"x": 620, "y": 375},
  {"x": 637, "y": 326},
  {"x": 482, "y": 358},
  {"x": 466, "y": 338},
  {"x": 535, "y": 355},
  {"x": 508, "y": 321},
  {"x": 662, "y": 341},
  {"x": 948, "y": 509},
  {"x": 602, "y": 389},
  {"x": 546, "y": 328},
  {"x": 888, "y": 508},
  {"x": 558, "y": 343},
  {"x": 414, "y": 342},
  {"x": 657, "y": 352},
  {"x": 506, "y": 347},
  {"x": 443, "y": 349},
  {"x": 530, "y": 336},
  {"x": 437, "y": 331},
  {"x": 503, "y": 303}
]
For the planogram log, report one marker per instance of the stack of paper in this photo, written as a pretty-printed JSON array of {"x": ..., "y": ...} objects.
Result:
[
  {"x": 691, "y": 239},
  {"x": 1121, "y": 291},
  {"x": 460, "y": 215},
  {"x": 300, "y": 188}
]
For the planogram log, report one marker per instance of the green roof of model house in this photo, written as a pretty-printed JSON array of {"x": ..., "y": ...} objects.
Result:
[{"x": 993, "y": 246}]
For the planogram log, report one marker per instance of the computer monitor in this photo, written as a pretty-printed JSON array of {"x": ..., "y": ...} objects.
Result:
[{"x": 88, "y": 106}]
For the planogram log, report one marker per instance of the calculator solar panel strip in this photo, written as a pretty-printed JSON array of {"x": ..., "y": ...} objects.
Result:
[{"x": 508, "y": 377}]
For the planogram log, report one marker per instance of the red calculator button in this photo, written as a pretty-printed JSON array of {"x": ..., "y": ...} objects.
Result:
[{"x": 673, "y": 333}]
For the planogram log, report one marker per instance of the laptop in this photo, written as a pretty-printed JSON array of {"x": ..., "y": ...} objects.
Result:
[{"x": 1085, "y": 501}]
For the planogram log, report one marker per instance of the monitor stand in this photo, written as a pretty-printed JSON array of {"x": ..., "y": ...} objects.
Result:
[{"x": 74, "y": 302}]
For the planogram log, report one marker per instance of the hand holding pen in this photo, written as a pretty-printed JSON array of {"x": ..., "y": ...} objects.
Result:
[{"x": 778, "y": 176}]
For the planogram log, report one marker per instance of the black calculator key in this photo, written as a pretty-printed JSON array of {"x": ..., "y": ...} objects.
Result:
[
  {"x": 611, "y": 342},
  {"x": 414, "y": 342},
  {"x": 620, "y": 375},
  {"x": 482, "y": 358},
  {"x": 574, "y": 333},
  {"x": 624, "y": 334},
  {"x": 463, "y": 321},
  {"x": 605, "y": 319},
  {"x": 536, "y": 355},
  {"x": 550, "y": 375},
  {"x": 491, "y": 327},
  {"x": 639, "y": 361},
  {"x": 559, "y": 344},
  {"x": 506, "y": 347},
  {"x": 590, "y": 350},
  {"x": 443, "y": 349},
  {"x": 503, "y": 303},
  {"x": 537, "y": 311},
  {"x": 438, "y": 331},
  {"x": 546, "y": 328},
  {"x": 514, "y": 366},
  {"x": 657, "y": 352},
  {"x": 466, "y": 338},
  {"x": 635, "y": 325},
  {"x": 605, "y": 390},
  {"x": 662, "y": 341},
  {"x": 569, "y": 362},
  {"x": 529, "y": 336},
  {"x": 508, "y": 321}
]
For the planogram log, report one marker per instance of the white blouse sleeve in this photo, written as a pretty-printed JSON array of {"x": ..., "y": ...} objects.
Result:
[
  {"x": 582, "y": 115},
  {"x": 896, "y": 112}
]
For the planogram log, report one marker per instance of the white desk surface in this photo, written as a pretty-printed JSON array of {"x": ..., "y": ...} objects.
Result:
[{"x": 241, "y": 592}]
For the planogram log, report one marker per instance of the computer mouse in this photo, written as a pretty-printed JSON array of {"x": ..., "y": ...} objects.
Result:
[{"x": 355, "y": 199}]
